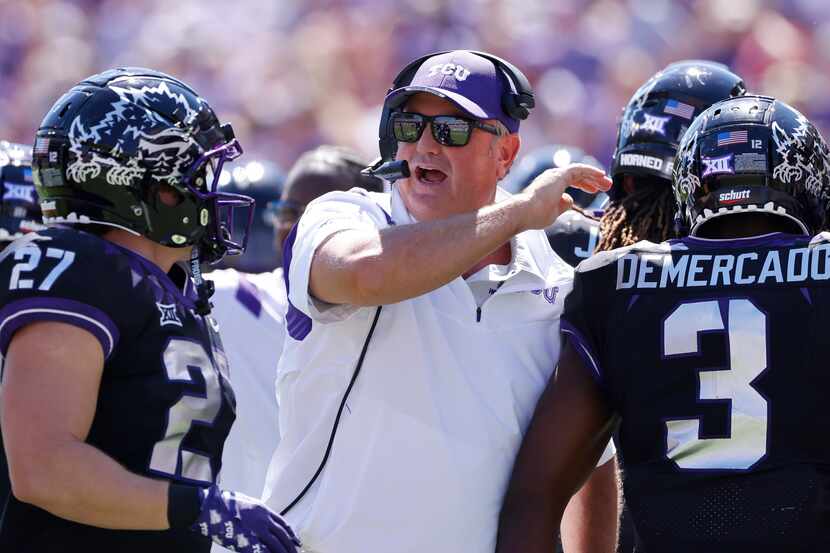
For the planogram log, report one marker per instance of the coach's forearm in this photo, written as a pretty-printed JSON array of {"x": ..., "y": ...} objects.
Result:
[
  {"x": 78, "y": 482},
  {"x": 402, "y": 262}
]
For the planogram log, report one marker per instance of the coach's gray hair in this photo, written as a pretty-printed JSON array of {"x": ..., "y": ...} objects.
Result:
[
  {"x": 502, "y": 131},
  {"x": 502, "y": 128}
]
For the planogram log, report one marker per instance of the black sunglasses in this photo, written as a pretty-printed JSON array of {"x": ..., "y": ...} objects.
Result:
[{"x": 447, "y": 130}]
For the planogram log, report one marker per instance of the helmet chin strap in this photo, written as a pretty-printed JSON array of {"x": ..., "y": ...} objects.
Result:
[{"x": 204, "y": 288}]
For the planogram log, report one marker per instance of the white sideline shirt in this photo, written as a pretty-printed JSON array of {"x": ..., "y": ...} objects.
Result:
[
  {"x": 250, "y": 309},
  {"x": 427, "y": 440}
]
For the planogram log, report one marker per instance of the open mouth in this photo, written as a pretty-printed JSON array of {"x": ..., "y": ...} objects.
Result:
[{"x": 429, "y": 176}]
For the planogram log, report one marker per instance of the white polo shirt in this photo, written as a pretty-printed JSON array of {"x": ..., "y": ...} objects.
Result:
[
  {"x": 427, "y": 440},
  {"x": 250, "y": 309}
]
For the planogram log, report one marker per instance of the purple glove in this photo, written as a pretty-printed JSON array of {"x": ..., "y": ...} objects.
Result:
[{"x": 243, "y": 524}]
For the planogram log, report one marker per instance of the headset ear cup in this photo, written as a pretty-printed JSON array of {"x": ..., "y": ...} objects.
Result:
[
  {"x": 386, "y": 141},
  {"x": 526, "y": 102},
  {"x": 520, "y": 112},
  {"x": 517, "y": 106},
  {"x": 517, "y": 102},
  {"x": 516, "y": 109}
]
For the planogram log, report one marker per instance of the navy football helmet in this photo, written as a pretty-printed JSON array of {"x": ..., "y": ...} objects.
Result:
[
  {"x": 658, "y": 114},
  {"x": 19, "y": 208},
  {"x": 112, "y": 141},
  {"x": 753, "y": 154},
  {"x": 536, "y": 162},
  {"x": 263, "y": 181}
]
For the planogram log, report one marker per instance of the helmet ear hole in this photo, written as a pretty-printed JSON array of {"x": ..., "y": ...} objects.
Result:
[
  {"x": 161, "y": 197},
  {"x": 169, "y": 196}
]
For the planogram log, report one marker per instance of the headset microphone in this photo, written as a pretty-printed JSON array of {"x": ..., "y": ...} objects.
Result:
[{"x": 387, "y": 170}]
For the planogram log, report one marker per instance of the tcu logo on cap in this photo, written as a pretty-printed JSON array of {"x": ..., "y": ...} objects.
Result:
[{"x": 459, "y": 71}]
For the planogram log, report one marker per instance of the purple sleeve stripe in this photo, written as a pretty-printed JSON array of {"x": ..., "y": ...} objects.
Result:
[
  {"x": 297, "y": 323},
  {"x": 248, "y": 295},
  {"x": 18, "y": 314},
  {"x": 389, "y": 220},
  {"x": 581, "y": 345}
]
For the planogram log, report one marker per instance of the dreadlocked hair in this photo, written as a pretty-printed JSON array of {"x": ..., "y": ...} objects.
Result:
[
  {"x": 646, "y": 214},
  {"x": 584, "y": 213}
]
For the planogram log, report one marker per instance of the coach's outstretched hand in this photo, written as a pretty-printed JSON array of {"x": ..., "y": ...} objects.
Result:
[
  {"x": 243, "y": 524},
  {"x": 546, "y": 194}
]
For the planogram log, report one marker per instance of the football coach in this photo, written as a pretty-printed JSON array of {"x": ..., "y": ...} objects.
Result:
[{"x": 423, "y": 325}]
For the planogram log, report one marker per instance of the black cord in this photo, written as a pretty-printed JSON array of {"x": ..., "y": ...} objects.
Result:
[{"x": 337, "y": 418}]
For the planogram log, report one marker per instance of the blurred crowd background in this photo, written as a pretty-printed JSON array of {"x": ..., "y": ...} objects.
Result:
[{"x": 291, "y": 74}]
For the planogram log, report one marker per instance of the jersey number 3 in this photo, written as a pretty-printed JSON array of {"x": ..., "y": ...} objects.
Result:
[{"x": 746, "y": 328}]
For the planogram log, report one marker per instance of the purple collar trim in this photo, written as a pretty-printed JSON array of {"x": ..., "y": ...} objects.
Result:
[
  {"x": 770, "y": 239},
  {"x": 157, "y": 278}
]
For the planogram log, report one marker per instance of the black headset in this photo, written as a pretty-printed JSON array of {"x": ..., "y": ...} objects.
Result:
[{"x": 516, "y": 102}]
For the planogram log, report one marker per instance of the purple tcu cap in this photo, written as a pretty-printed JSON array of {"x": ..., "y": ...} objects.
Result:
[{"x": 469, "y": 81}]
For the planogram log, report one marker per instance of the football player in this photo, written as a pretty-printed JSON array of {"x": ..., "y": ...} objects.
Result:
[
  {"x": 650, "y": 129},
  {"x": 249, "y": 304},
  {"x": 707, "y": 351},
  {"x": 19, "y": 214},
  {"x": 115, "y": 398},
  {"x": 651, "y": 125},
  {"x": 250, "y": 308},
  {"x": 317, "y": 172},
  {"x": 19, "y": 209},
  {"x": 575, "y": 233},
  {"x": 262, "y": 180}
]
